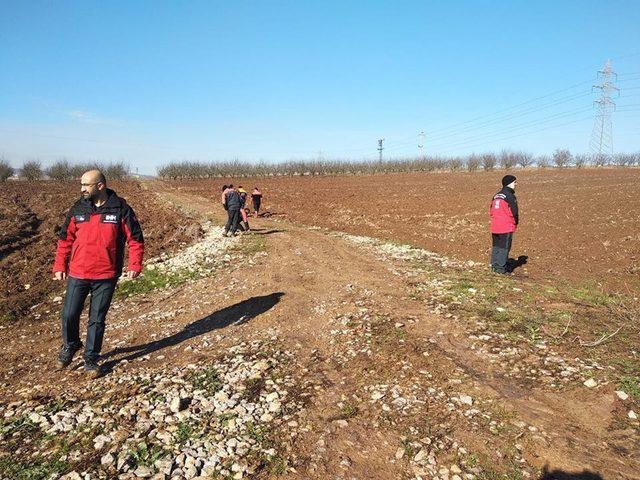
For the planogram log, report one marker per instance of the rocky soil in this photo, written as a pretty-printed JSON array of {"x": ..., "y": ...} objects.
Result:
[{"x": 298, "y": 352}]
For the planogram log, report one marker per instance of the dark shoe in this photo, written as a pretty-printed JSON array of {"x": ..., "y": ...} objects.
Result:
[
  {"x": 92, "y": 368},
  {"x": 65, "y": 357}
]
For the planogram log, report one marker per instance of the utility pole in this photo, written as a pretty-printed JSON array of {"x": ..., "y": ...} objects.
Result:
[
  {"x": 380, "y": 147},
  {"x": 421, "y": 143},
  {"x": 602, "y": 136}
]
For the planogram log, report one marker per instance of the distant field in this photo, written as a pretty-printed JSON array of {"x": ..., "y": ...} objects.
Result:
[{"x": 582, "y": 225}]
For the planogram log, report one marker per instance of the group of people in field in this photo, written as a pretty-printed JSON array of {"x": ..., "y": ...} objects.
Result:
[
  {"x": 91, "y": 244},
  {"x": 234, "y": 201}
]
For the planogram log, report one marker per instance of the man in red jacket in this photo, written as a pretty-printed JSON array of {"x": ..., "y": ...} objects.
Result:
[
  {"x": 504, "y": 221},
  {"x": 90, "y": 257}
]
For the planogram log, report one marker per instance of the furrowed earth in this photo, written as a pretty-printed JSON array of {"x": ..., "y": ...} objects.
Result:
[{"x": 355, "y": 333}]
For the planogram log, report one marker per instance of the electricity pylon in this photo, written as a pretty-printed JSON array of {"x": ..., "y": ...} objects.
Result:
[{"x": 602, "y": 136}]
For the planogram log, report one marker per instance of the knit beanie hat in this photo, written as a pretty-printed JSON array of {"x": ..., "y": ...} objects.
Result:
[{"x": 507, "y": 179}]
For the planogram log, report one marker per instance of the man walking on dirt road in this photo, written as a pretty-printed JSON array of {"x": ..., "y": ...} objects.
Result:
[
  {"x": 90, "y": 256},
  {"x": 504, "y": 221}
]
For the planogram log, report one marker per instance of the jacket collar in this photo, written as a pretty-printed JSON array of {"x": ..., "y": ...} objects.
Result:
[{"x": 113, "y": 201}]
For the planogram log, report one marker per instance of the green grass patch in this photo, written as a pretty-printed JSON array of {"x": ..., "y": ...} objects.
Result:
[
  {"x": 7, "y": 318},
  {"x": 184, "y": 432},
  {"x": 225, "y": 418},
  {"x": 630, "y": 385},
  {"x": 19, "y": 424},
  {"x": 207, "y": 380},
  {"x": 250, "y": 245},
  {"x": 145, "y": 455},
  {"x": 153, "y": 279},
  {"x": 594, "y": 296},
  {"x": 36, "y": 469},
  {"x": 259, "y": 434},
  {"x": 277, "y": 465},
  {"x": 348, "y": 410}
]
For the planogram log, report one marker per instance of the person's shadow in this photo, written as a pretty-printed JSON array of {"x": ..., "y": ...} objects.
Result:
[
  {"x": 236, "y": 314},
  {"x": 562, "y": 475},
  {"x": 514, "y": 263}
]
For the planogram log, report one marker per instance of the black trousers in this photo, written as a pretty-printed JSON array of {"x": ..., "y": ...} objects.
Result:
[
  {"x": 101, "y": 295},
  {"x": 233, "y": 221},
  {"x": 500, "y": 251}
]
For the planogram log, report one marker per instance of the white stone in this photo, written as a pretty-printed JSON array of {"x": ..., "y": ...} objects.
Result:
[
  {"x": 107, "y": 460},
  {"x": 466, "y": 400},
  {"x": 377, "y": 395},
  {"x": 622, "y": 395},
  {"x": 71, "y": 476},
  {"x": 632, "y": 415},
  {"x": 421, "y": 455},
  {"x": 144, "y": 472},
  {"x": 176, "y": 405},
  {"x": 590, "y": 383}
]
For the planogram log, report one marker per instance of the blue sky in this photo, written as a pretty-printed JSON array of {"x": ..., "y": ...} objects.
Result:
[{"x": 151, "y": 82}]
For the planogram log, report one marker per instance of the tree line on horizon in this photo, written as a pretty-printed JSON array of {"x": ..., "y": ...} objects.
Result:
[
  {"x": 506, "y": 159},
  {"x": 61, "y": 170}
]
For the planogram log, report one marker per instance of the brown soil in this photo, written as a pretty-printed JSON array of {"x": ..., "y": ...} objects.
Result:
[
  {"x": 577, "y": 224},
  {"x": 31, "y": 214},
  {"x": 338, "y": 299}
]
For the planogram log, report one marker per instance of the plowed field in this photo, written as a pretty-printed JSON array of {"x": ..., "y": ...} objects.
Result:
[
  {"x": 577, "y": 225},
  {"x": 31, "y": 214}
]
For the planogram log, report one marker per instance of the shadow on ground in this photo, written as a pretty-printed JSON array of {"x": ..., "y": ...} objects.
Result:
[
  {"x": 236, "y": 314},
  {"x": 514, "y": 263},
  {"x": 264, "y": 231},
  {"x": 562, "y": 475}
]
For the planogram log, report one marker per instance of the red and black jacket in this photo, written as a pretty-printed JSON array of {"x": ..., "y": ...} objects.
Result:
[
  {"x": 504, "y": 211},
  {"x": 91, "y": 241}
]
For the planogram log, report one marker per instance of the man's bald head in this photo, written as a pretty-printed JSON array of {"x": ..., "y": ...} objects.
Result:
[
  {"x": 94, "y": 185},
  {"x": 94, "y": 176}
]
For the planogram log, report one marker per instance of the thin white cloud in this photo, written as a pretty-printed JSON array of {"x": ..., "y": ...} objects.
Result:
[{"x": 85, "y": 116}]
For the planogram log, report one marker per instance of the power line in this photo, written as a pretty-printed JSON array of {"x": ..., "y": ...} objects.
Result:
[
  {"x": 513, "y": 115},
  {"x": 555, "y": 92},
  {"x": 526, "y": 133},
  {"x": 527, "y": 124}
]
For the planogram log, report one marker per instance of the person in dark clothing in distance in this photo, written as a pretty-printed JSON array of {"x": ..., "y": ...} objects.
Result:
[
  {"x": 504, "y": 222},
  {"x": 231, "y": 203}
]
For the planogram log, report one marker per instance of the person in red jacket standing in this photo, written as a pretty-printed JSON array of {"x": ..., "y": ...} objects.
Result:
[
  {"x": 90, "y": 257},
  {"x": 504, "y": 221}
]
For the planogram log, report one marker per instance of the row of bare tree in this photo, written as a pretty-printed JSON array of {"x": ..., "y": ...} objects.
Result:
[
  {"x": 61, "y": 170},
  {"x": 561, "y": 158}
]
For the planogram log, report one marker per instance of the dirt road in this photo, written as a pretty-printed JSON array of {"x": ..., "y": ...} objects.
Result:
[{"x": 389, "y": 387}]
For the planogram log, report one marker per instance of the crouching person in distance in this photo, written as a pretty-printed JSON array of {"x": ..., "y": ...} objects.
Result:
[
  {"x": 504, "y": 222},
  {"x": 90, "y": 257}
]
